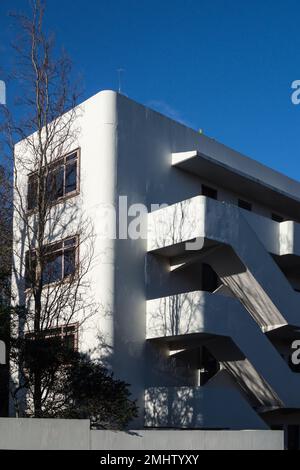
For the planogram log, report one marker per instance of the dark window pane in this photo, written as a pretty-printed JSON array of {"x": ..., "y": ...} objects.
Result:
[
  {"x": 32, "y": 192},
  {"x": 55, "y": 184},
  {"x": 69, "y": 262},
  {"x": 70, "y": 242},
  {"x": 71, "y": 157},
  {"x": 52, "y": 332},
  {"x": 277, "y": 218},
  {"x": 52, "y": 269},
  {"x": 210, "y": 280},
  {"x": 52, "y": 338},
  {"x": 52, "y": 248},
  {"x": 30, "y": 266},
  {"x": 208, "y": 365},
  {"x": 60, "y": 262},
  {"x": 71, "y": 177},
  {"x": 245, "y": 205},
  {"x": 209, "y": 192},
  {"x": 27, "y": 270},
  {"x": 49, "y": 187},
  {"x": 69, "y": 341},
  {"x": 59, "y": 182},
  {"x": 71, "y": 329}
]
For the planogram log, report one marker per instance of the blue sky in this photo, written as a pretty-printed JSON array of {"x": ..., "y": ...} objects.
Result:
[{"x": 225, "y": 66}]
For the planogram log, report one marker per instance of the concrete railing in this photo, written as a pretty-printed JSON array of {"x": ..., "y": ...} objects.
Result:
[{"x": 60, "y": 434}]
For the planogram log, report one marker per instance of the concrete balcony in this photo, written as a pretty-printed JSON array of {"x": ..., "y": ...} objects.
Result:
[
  {"x": 235, "y": 340},
  {"x": 203, "y": 218},
  {"x": 241, "y": 322},
  {"x": 240, "y": 247}
]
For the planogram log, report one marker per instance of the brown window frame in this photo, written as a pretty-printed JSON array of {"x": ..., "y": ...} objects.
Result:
[
  {"x": 60, "y": 250},
  {"x": 56, "y": 163},
  {"x": 62, "y": 333}
]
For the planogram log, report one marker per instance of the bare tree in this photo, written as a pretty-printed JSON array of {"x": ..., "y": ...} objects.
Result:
[
  {"x": 5, "y": 280},
  {"x": 53, "y": 240},
  {"x": 5, "y": 236}
]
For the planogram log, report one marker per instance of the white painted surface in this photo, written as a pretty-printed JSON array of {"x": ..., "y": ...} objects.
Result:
[
  {"x": 44, "y": 434},
  {"x": 188, "y": 440},
  {"x": 54, "y": 434}
]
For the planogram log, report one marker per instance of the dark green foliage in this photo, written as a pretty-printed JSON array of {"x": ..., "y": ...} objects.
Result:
[
  {"x": 91, "y": 391},
  {"x": 73, "y": 385}
]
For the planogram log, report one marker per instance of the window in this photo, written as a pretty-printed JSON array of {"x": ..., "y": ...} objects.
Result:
[
  {"x": 208, "y": 366},
  {"x": 61, "y": 180},
  {"x": 210, "y": 280},
  {"x": 245, "y": 205},
  {"x": 277, "y": 218},
  {"x": 67, "y": 335},
  {"x": 209, "y": 192},
  {"x": 60, "y": 261},
  {"x": 32, "y": 191}
]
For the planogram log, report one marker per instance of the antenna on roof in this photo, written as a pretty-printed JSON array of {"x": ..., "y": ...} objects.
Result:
[
  {"x": 2, "y": 93},
  {"x": 120, "y": 71}
]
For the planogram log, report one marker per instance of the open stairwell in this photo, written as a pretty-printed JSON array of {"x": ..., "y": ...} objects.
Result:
[{"x": 255, "y": 297}]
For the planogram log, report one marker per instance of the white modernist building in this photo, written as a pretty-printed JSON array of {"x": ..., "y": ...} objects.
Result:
[{"x": 199, "y": 298}]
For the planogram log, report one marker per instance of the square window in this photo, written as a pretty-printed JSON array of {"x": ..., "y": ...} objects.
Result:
[
  {"x": 32, "y": 192},
  {"x": 60, "y": 261},
  {"x": 60, "y": 179},
  {"x": 72, "y": 157},
  {"x": 30, "y": 269},
  {"x": 245, "y": 205},
  {"x": 209, "y": 192},
  {"x": 277, "y": 218},
  {"x": 69, "y": 262},
  {"x": 53, "y": 269},
  {"x": 64, "y": 335},
  {"x": 55, "y": 184},
  {"x": 70, "y": 241},
  {"x": 71, "y": 177}
]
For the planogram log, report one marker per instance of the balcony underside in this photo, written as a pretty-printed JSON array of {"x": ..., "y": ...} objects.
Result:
[{"x": 284, "y": 198}]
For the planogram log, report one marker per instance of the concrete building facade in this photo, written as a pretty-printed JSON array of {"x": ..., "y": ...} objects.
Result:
[{"x": 198, "y": 299}]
